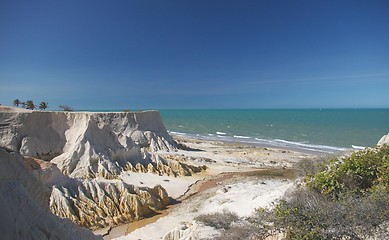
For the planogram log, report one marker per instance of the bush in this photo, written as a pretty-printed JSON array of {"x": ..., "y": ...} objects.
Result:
[
  {"x": 66, "y": 108},
  {"x": 240, "y": 231},
  {"x": 362, "y": 171},
  {"x": 308, "y": 214},
  {"x": 308, "y": 166},
  {"x": 218, "y": 220},
  {"x": 347, "y": 198}
]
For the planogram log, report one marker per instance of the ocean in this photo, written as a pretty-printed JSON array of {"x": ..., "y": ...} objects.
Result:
[{"x": 318, "y": 130}]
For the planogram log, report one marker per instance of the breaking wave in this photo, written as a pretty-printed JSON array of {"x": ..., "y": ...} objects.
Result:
[{"x": 277, "y": 143}]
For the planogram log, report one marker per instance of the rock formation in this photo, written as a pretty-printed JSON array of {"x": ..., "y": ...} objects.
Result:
[
  {"x": 96, "y": 204},
  {"x": 77, "y": 157},
  {"x": 384, "y": 140},
  {"x": 88, "y": 145},
  {"x": 24, "y": 206}
]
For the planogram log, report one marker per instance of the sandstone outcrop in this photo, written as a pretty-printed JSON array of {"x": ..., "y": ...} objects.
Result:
[
  {"x": 88, "y": 145},
  {"x": 24, "y": 206},
  {"x": 384, "y": 140},
  {"x": 77, "y": 157},
  {"x": 95, "y": 204}
]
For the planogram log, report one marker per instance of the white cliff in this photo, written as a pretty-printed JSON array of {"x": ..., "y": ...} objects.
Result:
[
  {"x": 384, "y": 140},
  {"x": 78, "y": 157},
  {"x": 88, "y": 145},
  {"x": 24, "y": 206},
  {"x": 95, "y": 203}
]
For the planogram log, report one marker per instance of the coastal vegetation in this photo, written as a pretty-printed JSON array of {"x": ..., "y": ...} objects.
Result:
[
  {"x": 347, "y": 198},
  {"x": 66, "y": 108},
  {"x": 43, "y": 106},
  {"x": 340, "y": 198},
  {"x": 218, "y": 220},
  {"x": 17, "y": 102},
  {"x": 29, "y": 104}
]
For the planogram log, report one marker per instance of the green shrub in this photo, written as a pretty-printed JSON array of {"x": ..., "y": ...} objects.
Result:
[
  {"x": 308, "y": 214},
  {"x": 347, "y": 198},
  {"x": 363, "y": 171}
]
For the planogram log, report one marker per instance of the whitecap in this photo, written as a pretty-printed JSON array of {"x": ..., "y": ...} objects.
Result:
[
  {"x": 264, "y": 140},
  {"x": 314, "y": 146},
  {"x": 244, "y": 137},
  {"x": 358, "y": 147},
  {"x": 177, "y": 133}
]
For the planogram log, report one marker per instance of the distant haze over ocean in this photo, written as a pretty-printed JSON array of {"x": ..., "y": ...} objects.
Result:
[{"x": 323, "y": 130}]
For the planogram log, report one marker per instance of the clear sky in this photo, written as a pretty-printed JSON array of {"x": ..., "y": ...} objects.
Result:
[{"x": 141, "y": 54}]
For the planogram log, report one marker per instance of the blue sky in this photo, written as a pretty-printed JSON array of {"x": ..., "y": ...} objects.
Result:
[{"x": 133, "y": 54}]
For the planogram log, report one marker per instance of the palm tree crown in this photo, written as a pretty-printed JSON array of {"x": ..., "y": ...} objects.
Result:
[
  {"x": 43, "y": 105},
  {"x": 17, "y": 102},
  {"x": 30, "y": 105}
]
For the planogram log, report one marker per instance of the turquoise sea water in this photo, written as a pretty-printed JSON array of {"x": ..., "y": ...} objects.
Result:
[{"x": 321, "y": 130}]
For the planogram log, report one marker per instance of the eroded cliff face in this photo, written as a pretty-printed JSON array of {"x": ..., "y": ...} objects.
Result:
[
  {"x": 95, "y": 204},
  {"x": 24, "y": 205},
  {"x": 88, "y": 145},
  {"x": 77, "y": 157}
]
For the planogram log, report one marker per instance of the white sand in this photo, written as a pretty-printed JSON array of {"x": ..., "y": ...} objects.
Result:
[
  {"x": 244, "y": 197},
  {"x": 175, "y": 186},
  {"x": 241, "y": 197},
  {"x": 240, "y": 194}
]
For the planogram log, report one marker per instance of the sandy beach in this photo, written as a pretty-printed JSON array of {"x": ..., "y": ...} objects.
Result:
[{"x": 239, "y": 178}]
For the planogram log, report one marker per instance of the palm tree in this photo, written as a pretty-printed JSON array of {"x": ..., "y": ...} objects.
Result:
[
  {"x": 43, "y": 106},
  {"x": 30, "y": 105},
  {"x": 23, "y": 104},
  {"x": 17, "y": 102}
]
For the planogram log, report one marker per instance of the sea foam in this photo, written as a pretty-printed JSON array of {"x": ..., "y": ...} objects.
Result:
[{"x": 243, "y": 137}]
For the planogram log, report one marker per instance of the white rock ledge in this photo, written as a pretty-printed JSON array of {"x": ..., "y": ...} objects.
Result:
[
  {"x": 88, "y": 145},
  {"x": 84, "y": 154}
]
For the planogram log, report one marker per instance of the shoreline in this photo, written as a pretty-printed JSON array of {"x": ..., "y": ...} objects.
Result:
[
  {"x": 266, "y": 143},
  {"x": 226, "y": 162}
]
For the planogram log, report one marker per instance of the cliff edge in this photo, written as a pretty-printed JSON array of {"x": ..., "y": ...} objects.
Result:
[
  {"x": 78, "y": 156},
  {"x": 88, "y": 145}
]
